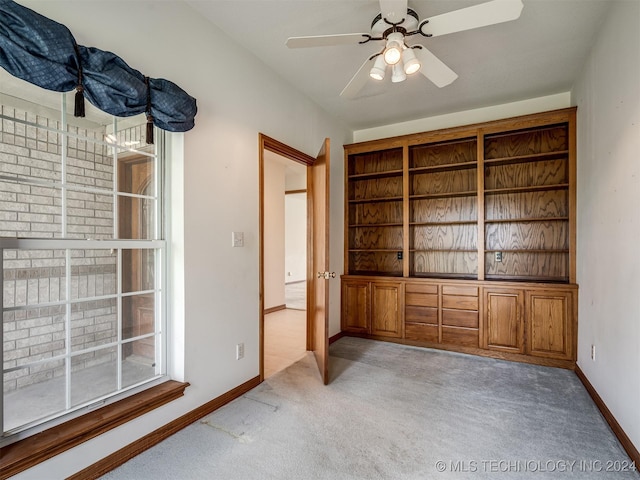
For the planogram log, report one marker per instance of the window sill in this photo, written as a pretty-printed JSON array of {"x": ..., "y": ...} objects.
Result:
[{"x": 29, "y": 452}]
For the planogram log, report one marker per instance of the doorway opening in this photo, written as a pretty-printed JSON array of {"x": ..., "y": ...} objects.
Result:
[
  {"x": 285, "y": 262},
  {"x": 293, "y": 300}
]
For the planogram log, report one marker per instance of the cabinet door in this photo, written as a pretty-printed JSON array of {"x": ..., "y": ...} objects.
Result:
[
  {"x": 503, "y": 320},
  {"x": 549, "y": 320},
  {"x": 355, "y": 307},
  {"x": 386, "y": 309}
]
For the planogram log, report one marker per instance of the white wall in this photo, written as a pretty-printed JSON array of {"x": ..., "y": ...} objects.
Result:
[
  {"x": 238, "y": 97},
  {"x": 274, "y": 233},
  {"x": 295, "y": 237},
  {"x": 466, "y": 117},
  {"x": 608, "y": 98}
]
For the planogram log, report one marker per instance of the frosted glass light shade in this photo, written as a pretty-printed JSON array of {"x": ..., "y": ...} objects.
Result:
[
  {"x": 379, "y": 68},
  {"x": 397, "y": 73},
  {"x": 411, "y": 63}
]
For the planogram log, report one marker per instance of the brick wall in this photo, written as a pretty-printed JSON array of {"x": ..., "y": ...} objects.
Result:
[{"x": 35, "y": 277}]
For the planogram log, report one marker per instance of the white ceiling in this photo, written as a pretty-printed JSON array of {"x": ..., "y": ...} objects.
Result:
[{"x": 539, "y": 54}]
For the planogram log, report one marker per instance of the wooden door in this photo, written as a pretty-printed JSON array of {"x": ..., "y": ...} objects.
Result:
[
  {"x": 503, "y": 317},
  {"x": 386, "y": 309},
  {"x": 549, "y": 319},
  {"x": 356, "y": 306},
  {"x": 135, "y": 175},
  {"x": 318, "y": 198}
]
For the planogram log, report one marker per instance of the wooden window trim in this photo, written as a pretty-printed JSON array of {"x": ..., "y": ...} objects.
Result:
[{"x": 24, "y": 454}]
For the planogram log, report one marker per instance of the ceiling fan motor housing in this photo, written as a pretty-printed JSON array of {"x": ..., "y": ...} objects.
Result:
[{"x": 382, "y": 28}]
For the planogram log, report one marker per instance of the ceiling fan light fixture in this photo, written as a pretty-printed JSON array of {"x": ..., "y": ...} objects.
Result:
[
  {"x": 411, "y": 63},
  {"x": 379, "y": 68},
  {"x": 393, "y": 52},
  {"x": 397, "y": 73}
]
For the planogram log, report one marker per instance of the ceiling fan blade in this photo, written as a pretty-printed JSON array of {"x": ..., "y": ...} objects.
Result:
[
  {"x": 326, "y": 40},
  {"x": 358, "y": 81},
  {"x": 393, "y": 10},
  {"x": 434, "y": 69},
  {"x": 489, "y": 13}
]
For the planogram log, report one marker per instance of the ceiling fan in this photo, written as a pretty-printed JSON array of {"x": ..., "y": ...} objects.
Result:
[{"x": 395, "y": 24}]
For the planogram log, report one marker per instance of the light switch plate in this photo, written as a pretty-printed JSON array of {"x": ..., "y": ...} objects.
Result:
[{"x": 237, "y": 239}]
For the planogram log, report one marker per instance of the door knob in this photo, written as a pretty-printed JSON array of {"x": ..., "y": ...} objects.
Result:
[{"x": 326, "y": 275}]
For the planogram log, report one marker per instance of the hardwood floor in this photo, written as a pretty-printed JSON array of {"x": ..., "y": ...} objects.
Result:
[{"x": 284, "y": 339}]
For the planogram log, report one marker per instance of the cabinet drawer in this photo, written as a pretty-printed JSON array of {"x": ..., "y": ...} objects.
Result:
[
  {"x": 420, "y": 331},
  {"x": 460, "y": 336},
  {"x": 421, "y": 299},
  {"x": 421, "y": 288},
  {"x": 459, "y": 290},
  {"x": 421, "y": 315},
  {"x": 460, "y": 318},
  {"x": 459, "y": 302}
]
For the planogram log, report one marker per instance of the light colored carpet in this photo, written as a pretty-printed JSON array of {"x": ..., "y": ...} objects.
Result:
[{"x": 394, "y": 412}]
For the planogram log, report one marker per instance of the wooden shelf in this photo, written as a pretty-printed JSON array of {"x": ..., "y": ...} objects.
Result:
[
  {"x": 443, "y": 195},
  {"x": 375, "y": 225},
  {"x": 376, "y": 250},
  {"x": 376, "y": 273},
  {"x": 533, "y": 188},
  {"x": 370, "y": 175},
  {"x": 444, "y": 168},
  {"x": 438, "y": 224},
  {"x": 449, "y": 250},
  {"x": 524, "y": 278},
  {"x": 528, "y": 220},
  {"x": 461, "y": 276},
  {"x": 521, "y": 196},
  {"x": 536, "y": 157},
  {"x": 376, "y": 200},
  {"x": 524, "y": 250}
]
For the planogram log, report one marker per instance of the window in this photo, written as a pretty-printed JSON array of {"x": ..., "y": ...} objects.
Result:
[{"x": 83, "y": 256}]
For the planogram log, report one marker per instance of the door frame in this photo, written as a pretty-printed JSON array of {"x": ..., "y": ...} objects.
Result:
[{"x": 267, "y": 143}]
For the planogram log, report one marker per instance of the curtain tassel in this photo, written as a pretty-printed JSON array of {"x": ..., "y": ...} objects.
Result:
[
  {"x": 78, "y": 110},
  {"x": 149, "y": 130}
]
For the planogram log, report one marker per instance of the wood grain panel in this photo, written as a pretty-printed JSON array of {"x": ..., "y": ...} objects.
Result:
[
  {"x": 355, "y": 306},
  {"x": 375, "y": 213},
  {"x": 374, "y": 263},
  {"x": 421, "y": 299},
  {"x": 460, "y": 151},
  {"x": 421, "y": 288},
  {"x": 549, "y": 324},
  {"x": 537, "y": 266},
  {"x": 550, "y": 172},
  {"x": 374, "y": 162},
  {"x": 530, "y": 236},
  {"x": 460, "y": 336},
  {"x": 375, "y": 237},
  {"x": 444, "y": 237},
  {"x": 444, "y": 182},
  {"x": 465, "y": 263},
  {"x": 413, "y": 314},
  {"x": 421, "y": 332},
  {"x": 386, "y": 309},
  {"x": 541, "y": 140},
  {"x": 460, "y": 318},
  {"x": 469, "y": 290},
  {"x": 504, "y": 320},
  {"x": 460, "y": 302},
  {"x": 375, "y": 188},
  {"x": 525, "y": 205},
  {"x": 444, "y": 210}
]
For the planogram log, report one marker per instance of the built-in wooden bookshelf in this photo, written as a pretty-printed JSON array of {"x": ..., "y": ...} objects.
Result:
[{"x": 479, "y": 224}]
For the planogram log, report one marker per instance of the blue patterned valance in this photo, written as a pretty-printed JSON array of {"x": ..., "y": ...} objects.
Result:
[{"x": 43, "y": 52}]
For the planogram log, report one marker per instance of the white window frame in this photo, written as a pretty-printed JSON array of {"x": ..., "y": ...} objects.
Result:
[{"x": 158, "y": 243}]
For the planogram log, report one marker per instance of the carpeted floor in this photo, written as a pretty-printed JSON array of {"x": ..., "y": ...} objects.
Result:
[{"x": 396, "y": 412}]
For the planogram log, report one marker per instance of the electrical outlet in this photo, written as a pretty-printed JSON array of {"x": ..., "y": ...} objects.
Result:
[
  {"x": 399, "y": 255},
  {"x": 593, "y": 353},
  {"x": 239, "y": 351},
  {"x": 498, "y": 256}
]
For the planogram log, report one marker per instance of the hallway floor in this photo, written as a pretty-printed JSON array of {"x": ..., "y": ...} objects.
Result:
[{"x": 284, "y": 339}]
